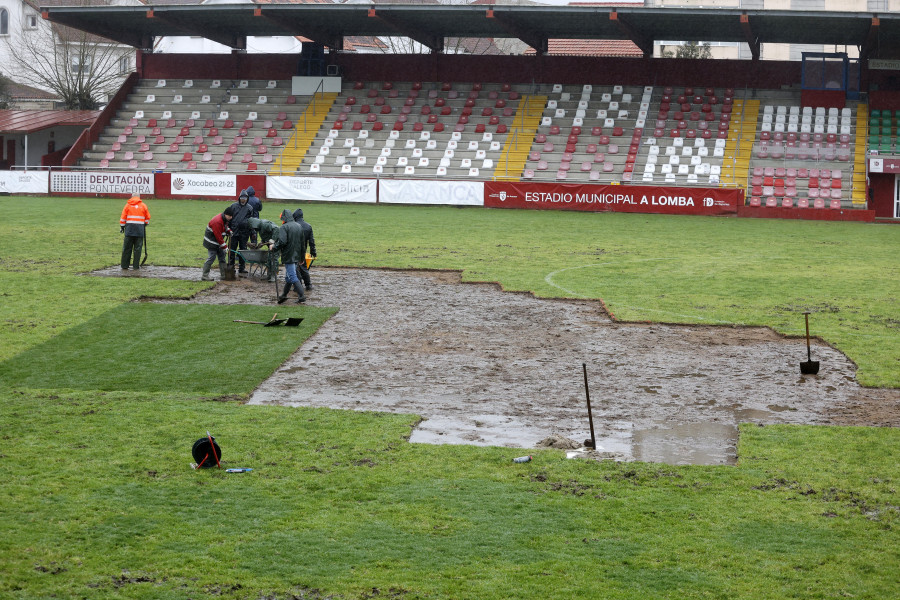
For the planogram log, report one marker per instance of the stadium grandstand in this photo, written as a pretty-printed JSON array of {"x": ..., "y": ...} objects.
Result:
[{"x": 812, "y": 138}]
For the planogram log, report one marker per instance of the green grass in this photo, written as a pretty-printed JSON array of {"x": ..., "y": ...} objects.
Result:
[
  {"x": 97, "y": 420},
  {"x": 339, "y": 502},
  {"x": 149, "y": 347}
]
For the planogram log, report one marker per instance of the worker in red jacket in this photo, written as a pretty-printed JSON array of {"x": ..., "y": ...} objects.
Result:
[
  {"x": 135, "y": 217},
  {"x": 215, "y": 244}
]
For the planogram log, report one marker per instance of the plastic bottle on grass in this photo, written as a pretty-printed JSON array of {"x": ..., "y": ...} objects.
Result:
[{"x": 522, "y": 459}]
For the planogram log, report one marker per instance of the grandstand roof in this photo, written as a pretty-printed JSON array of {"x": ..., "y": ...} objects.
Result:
[
  {"x": 29, "y": 121},
  {"x": 230, "y": 24}
]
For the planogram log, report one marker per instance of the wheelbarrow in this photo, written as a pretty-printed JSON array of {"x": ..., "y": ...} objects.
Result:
[{"x": 257, "y": 262}]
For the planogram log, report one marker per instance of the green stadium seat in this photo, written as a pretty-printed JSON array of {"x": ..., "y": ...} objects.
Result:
[{"x": 875, "y": 113}]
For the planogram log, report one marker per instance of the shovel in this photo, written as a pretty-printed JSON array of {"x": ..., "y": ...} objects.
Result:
[
  {"x": 289, "y": 322},
  {"x": 810, "y": 366},
  {"x": 230, "y": 274}
]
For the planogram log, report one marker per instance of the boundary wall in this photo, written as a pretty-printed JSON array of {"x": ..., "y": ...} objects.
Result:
[{"x": 491, "y": 194}]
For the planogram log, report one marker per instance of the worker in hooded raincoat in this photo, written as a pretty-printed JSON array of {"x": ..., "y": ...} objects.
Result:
[
  {"x": 241, "y": 212},
  {"x": 309, "y": 246},
  {"x": 215, "y": 243},
  {"x": 135, "y": 217},
  {"x": 254, "y": 201},
  {"x": 289, "y": 242},
  {"x": 267, "y": 231}
]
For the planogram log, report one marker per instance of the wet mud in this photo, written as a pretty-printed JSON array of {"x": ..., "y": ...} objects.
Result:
[{"x": 488, "y": 367}]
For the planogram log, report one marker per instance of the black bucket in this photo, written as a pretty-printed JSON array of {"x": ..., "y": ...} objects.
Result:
[{"x": 202, "y": 452}]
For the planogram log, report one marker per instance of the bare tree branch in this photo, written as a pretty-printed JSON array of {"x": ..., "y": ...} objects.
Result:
[
  {"x": 4, "y": 92},
  {"x": 79, "y": 68}
]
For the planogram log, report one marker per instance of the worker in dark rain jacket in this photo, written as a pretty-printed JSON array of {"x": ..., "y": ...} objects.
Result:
[
  {"x": 289, "y": 243},
  {"x": 215, "y": 244},
  {"x": 256, "y": 203},
  {"x": 135, "y": 217},
  {"x": 268, "y": 231},
  {"x": 309, "y": 245},
  {"x": 240, "y": 227}
]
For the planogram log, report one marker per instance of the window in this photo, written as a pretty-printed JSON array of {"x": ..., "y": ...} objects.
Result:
[
  {"x": 4, "y": 21},
  {"x": 81, "y": 63},
  {"x": 125, "y": 64},
  {"x": 31, "y": 22}
]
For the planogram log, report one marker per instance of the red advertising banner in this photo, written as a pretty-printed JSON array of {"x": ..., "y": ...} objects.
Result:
[{"x": 613, "y": 198}]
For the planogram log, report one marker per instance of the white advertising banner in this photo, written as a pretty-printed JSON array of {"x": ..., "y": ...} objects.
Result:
[
  {"x": 412, "y": 191},
  {"x": 87, "y": 182},
  {"x": 194, "y": 184},
  {"x": 323, "y": 189},
  {"x": 24, "y": 182}
]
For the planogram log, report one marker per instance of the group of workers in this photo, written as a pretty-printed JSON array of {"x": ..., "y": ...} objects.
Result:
[
  {"x": 240, "y": 223},
  {"x": 231, "y": 231}
]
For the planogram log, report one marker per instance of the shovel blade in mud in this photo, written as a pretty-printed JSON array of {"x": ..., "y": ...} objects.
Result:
[{"x": 810, "y": 367}]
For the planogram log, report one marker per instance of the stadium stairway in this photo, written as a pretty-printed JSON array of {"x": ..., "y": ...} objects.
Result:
[
  {"x": 510, "y": 165},
  {"x": 305, "y": 131},
  {"x": 858, "y": 184},
  {"x": 741, "y": 135}
]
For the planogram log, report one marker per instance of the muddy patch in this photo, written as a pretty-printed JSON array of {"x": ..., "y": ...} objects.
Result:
[{"x": 488, "y": 367}]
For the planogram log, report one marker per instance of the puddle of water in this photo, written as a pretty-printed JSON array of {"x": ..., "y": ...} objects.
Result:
[
  {"x": 687, "y": 444},
  {"x": 478, "y": 430},
  {"x": 703, "y": 443}
]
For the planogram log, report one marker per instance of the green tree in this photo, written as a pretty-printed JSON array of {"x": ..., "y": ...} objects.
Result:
[{"x": 689, "y": 50}]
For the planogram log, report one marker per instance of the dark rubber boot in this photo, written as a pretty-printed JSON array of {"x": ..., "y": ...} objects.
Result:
[
  {"x": 299, "y": 288},
  {"x": 283, "y": 296}
]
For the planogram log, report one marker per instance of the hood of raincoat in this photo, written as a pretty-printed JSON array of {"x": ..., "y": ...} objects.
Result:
[{"x": 287, "y": 216}]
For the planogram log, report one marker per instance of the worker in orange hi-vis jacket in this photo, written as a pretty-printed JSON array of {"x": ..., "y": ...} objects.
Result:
[{"x": 135, "y": 217}]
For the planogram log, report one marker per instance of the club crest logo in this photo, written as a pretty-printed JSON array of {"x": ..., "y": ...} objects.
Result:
[{"x": 178, "y": 183}]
